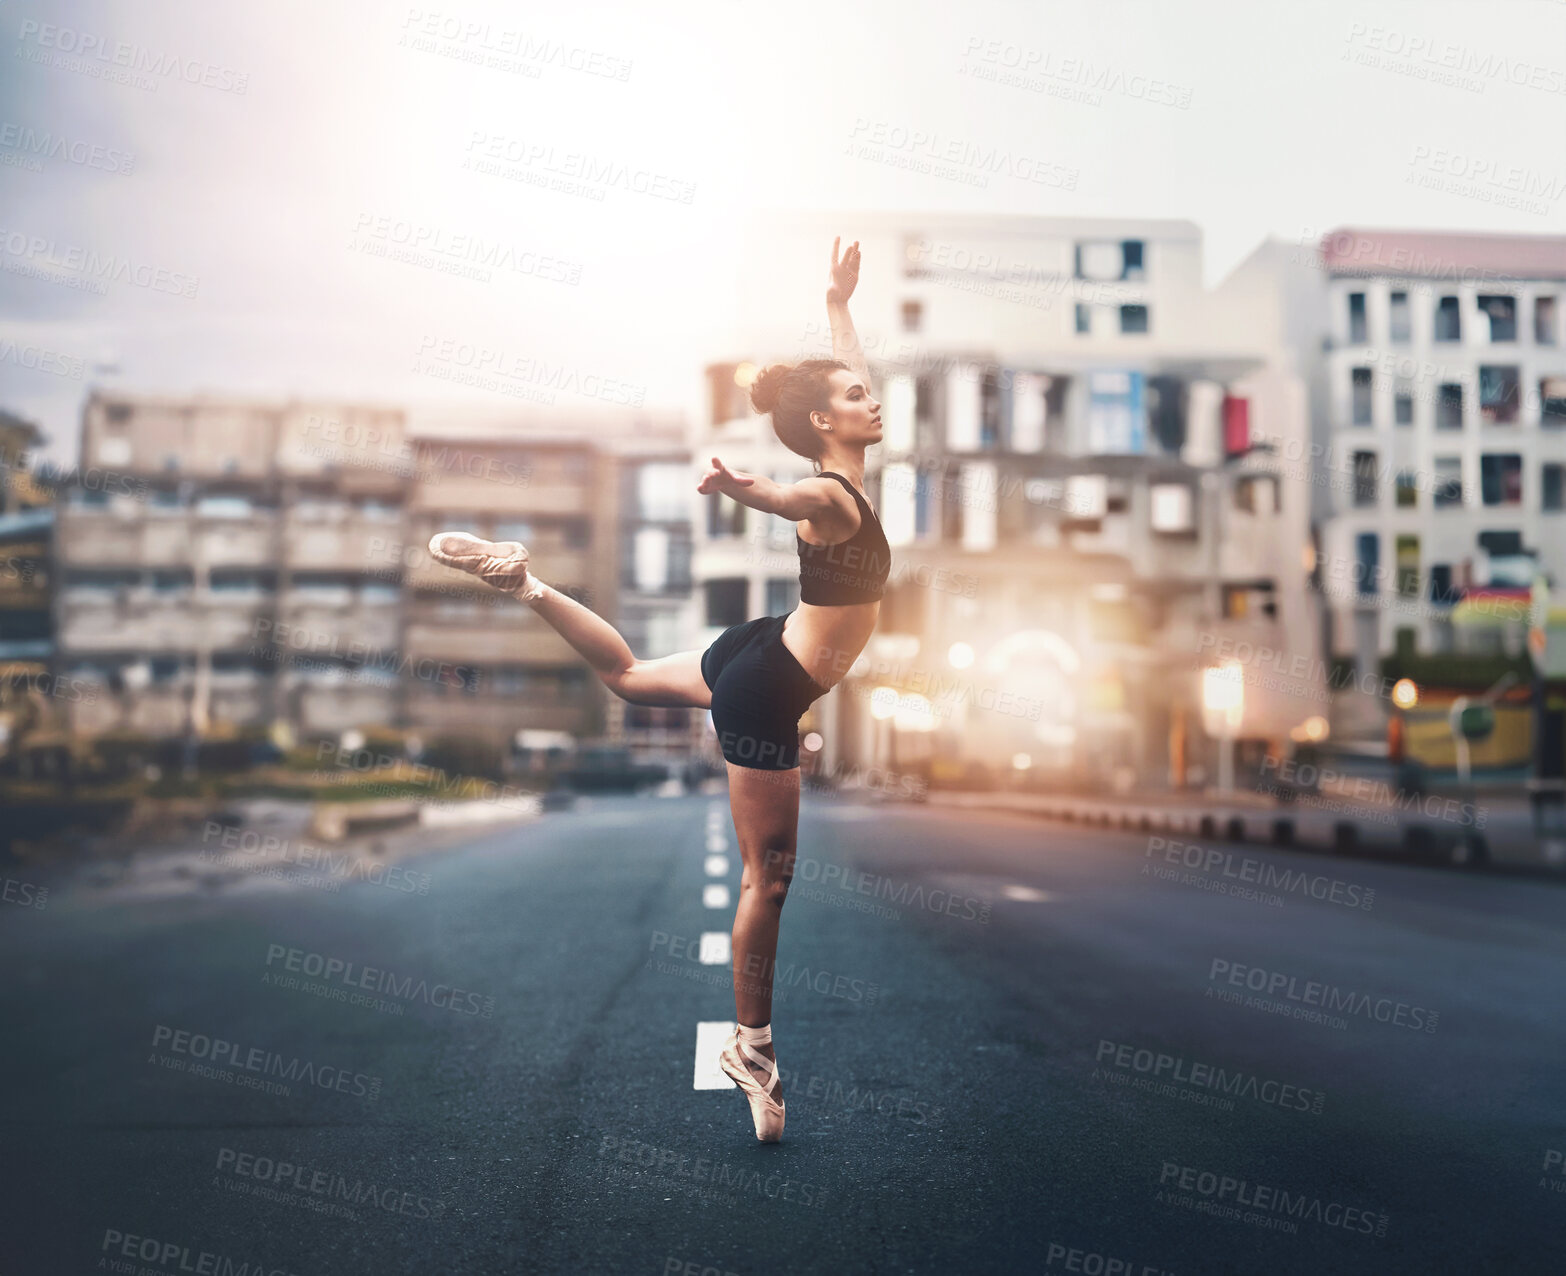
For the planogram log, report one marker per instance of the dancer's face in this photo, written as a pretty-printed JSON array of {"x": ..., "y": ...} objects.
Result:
[{"x": 855, "y": 417}]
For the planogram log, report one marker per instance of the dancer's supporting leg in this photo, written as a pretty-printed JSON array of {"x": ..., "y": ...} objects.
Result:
[{"x": 765, "y": 808}]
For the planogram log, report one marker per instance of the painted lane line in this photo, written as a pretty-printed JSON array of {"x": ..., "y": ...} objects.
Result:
[
  {"x": 710, "y": 1039},
  {"x": 717, "y": 865},
  {"x": 715, "y": 895},
  {"x": 715, "y": 948}
]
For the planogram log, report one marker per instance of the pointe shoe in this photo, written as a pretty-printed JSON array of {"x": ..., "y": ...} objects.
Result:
[
  {"x": 765, "y": 1112},
  {"x": 502, "y": 564}
]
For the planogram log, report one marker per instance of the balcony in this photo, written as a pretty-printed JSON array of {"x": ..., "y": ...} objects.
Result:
[
  {"x": 135, "y": 619},
  {"x": 348, "y": 544},
  {"x": 142, "y": 537},
  {"x": 487, "y": 640},
  {"x": 559, "y": 567}
]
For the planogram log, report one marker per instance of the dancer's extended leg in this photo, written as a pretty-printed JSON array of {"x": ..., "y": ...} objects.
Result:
[{"x": 669, "y": 680}]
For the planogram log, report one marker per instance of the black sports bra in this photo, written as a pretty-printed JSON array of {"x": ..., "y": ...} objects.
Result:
[{"x": 851, "y": 571}]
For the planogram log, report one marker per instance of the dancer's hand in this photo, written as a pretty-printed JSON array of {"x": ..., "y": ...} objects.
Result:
[
  {"x": 845, "y": 274},
  {"x": 722, "y": 479}
]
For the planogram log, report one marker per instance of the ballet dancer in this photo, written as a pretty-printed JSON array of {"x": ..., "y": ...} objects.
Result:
[{"x": 757, "y": 677}]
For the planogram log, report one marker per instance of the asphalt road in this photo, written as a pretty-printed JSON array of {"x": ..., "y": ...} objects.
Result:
[{"x": 1009, "y": 1046}]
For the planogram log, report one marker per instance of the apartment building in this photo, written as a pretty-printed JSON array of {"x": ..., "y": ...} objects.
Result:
[
  {"x": 1446, "y": 409},
  {"x": 28, "y": 699},
  {"x": 1070, "y": 478},
  {"x": 597, "y": 503},
  {"x": 216, "y": 569}
]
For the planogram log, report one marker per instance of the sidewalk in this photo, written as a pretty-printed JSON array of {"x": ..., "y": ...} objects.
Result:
[{"x": 1489, "y": 831}]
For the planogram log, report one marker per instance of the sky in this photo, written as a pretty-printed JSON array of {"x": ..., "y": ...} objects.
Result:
[{"x": 243, "y": 186}]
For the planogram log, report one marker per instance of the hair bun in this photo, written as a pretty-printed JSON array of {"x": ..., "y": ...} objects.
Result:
[{"x": 768, "y": 386}]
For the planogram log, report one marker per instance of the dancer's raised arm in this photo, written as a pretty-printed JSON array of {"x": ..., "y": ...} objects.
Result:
[{"x": 840, "y": 287}]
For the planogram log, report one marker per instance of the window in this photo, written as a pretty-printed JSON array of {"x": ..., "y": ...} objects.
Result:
[
  {"x": 1552, "y": 402},
  {"x": 512, "y": 529},
  {"x": 1362, "y": 396},
  {"x": 1500, "y": 478},
  {"x": 1408, "y": 566},
  {"x": 1447, "y": 492},
  {"x": 1552, "y": 486},
  {"x": 1498, "y": 395},
  {"x": 172, "y": 581},
  {"x": 118, "y": 413},
  {"x": 1133, "y": 319},
  {"x": 1448, "y": 323},
  {"x": 913, "y": 314},
  {"x": 1403, "y": 403},
  {"x": 663, "y": 492},
  {"x": 1407, "y": 490},
  {"x": 1084, "y": 318},
  {"x": 1258, "y": 494},
  {"x": 725, "y": 516},
  {"x": 782, "y": 595},
  {"x": 1442, "y": 592},
  {"x": 1364, "y": 479},
  {"x": 1449, "y": 406},
  {"x": 726, "y": 599},
  {"x": 1107, "y": 260},
  {"x": 1357, "y": 335},
  {"x": 1172, "y": 509},
  {"x": 1544, "y": 329},
  {"x": 1367, "y": 555},
  {"x": 1400, "y": 329},
  {"x": 1503, "y": 317}
]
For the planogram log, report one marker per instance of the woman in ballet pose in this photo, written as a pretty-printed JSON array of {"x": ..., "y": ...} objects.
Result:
[{"x": 757, "y": 677}]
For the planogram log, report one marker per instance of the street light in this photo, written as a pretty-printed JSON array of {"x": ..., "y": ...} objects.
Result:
[
  {"x": 1223, "y": 708},
  {"x": 960, "y": 656},
  {"x": 1405, "y": 693}
]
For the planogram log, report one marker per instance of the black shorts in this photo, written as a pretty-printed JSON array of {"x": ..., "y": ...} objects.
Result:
[{"x": 759, "y": 691}]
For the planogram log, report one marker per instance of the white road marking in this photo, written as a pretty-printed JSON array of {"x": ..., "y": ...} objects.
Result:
[
  {"x": 717, "y": 842},
  {"x": 709, "y": 1045},
  {"x": 1026, "y": 894},
  {"x": 717, "y": 865},
  {"x": 715, "y": 948},
  {"x": 715, "y": 895}
]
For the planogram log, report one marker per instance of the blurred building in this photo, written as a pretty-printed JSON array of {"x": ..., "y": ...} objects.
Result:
[
  {"x": 216, "y": 569},
  {"x": 27, "y": 702},
  {"x": 600, "y": 506},
  {"x": 229, "y": 564},
  {"x": 1446, "y": 453},
  {"x": 1070, "y": 478}
]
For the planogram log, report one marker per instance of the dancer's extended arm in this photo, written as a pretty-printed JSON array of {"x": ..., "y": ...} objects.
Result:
[{"x": 809, "y": 498}]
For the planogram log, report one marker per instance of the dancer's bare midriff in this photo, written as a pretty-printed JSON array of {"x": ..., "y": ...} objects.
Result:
[{"x": 827, "y": 640}]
